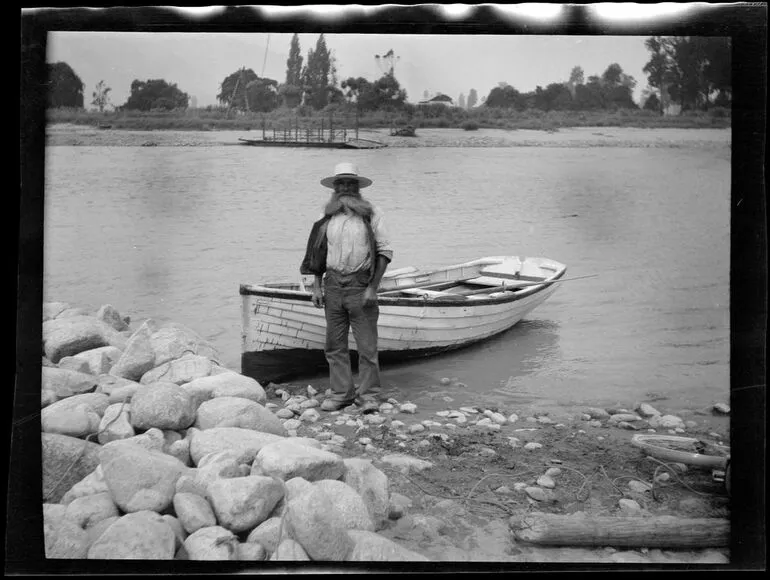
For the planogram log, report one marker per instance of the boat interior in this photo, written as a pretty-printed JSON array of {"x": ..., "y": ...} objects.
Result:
[{"x": 470, "y": 281}]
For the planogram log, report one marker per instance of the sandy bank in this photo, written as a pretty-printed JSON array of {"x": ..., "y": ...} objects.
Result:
[{"x": 76, "y": 135}]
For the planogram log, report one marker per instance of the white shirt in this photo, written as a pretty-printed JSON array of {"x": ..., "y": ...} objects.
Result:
[{"x": 348, "y": 242}]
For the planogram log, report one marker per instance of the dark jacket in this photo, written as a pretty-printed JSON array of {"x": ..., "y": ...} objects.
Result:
[{"x": 314, "y": 261}]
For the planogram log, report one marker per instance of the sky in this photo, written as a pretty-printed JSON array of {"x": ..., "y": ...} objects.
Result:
[{"x": 449, "y": 64}]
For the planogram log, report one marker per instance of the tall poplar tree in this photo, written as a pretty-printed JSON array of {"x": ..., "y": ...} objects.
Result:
[
  {"x": 316, "y": 74},
  {"x": 294, "y": 63}
]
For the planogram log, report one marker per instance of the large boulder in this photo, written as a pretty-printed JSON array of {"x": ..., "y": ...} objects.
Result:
[
  {"x": 66, "y": 382},
  {"x": 371, "y": 547},
  {"x": 245, "y": 442},
  {"x": 242, "y": 503},
  {"x": 269, "y": 533},
  {"x": 314, "y": 522},
  {"x": 348, "y": 504},
  {"x": 74, "y": 334},
  {"x": 212, "y": 543},
  {"x": 179, "y": 371},
  {"x": 64, "y": 538},
  {"x": 173, "y": 341},
  {"x": 290, "y": 551},
  {"x": 115, "y": 423},
  {"x": 88, "y": 510},
  {"x": 287, "y": 459},
  {"x": 108, "y": 314},
  {"x": 140, "y": 479},
  {"x": 75, "y": 416},
  {"x": 194, "y": 512},
  {"x": 227, "y": 384},
  {"x": 138, "y": 356},
  {"x": 162, "y": 405},
  {"x": 98, "y": 361},
  {"x": 211, "y": 468},
  {"x": 91, "y": 484},
  {"x": 372, "y": 485},
  {"x": 108, "y": 384},
  {"x": 142, "y": 535},
  {"x": 237, "y": 412}
]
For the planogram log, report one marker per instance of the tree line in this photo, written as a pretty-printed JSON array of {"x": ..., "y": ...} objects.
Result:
[{"x": 692, "y": 72}]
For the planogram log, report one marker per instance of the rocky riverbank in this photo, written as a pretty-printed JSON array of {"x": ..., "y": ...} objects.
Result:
[{"x": 154, "y": 450}]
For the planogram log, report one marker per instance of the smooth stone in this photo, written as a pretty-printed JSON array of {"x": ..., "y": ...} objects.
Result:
[
  {"x": 162, "y": 405},
  {"x": 287, "y": 459},
  {"x": 193, "y": 512},
  {"x": 405, "y": 463},
  {"x": 314, "y": 522},
  {"x": 212, "y": 543},
  {"x": 143, "y": 535},
  {"x": 348, "y": 504},
  {"x": 237, "y": 412},
  {"x": 137, "y": 357},
  {"x": 242, "y": 503},
  {"x": 74, "y": 334}
]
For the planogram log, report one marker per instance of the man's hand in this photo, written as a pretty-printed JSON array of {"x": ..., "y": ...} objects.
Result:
[
  {"x": 370, "y": 296},
  {"x": 317, "y": 298}
]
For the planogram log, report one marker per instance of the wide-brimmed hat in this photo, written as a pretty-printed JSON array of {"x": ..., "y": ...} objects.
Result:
[{"x": 346, "y": 171}]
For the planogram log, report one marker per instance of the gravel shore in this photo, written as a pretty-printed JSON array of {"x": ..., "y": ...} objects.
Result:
[{"x": 74, "y": 135}]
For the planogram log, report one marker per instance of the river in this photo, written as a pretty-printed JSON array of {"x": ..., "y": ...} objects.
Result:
[{"x": 170, "y": 232}]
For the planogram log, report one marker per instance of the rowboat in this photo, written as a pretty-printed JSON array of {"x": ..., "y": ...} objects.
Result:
[{"x": 421, "y": 313}]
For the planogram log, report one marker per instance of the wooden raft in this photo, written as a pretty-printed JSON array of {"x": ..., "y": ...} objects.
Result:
[{"x": 630, "y": 532}]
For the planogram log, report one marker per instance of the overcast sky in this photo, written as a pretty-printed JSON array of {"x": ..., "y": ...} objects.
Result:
[{"x": 450, "y": 64}]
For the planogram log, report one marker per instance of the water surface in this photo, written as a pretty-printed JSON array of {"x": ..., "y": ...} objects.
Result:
[{"x": 171, "y": 232}]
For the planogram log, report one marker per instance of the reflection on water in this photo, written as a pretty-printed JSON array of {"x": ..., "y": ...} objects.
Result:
[{"x": 171, "y": 232}]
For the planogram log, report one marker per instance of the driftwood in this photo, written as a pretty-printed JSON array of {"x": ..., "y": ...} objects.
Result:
[{"x": 631, "y": 532}]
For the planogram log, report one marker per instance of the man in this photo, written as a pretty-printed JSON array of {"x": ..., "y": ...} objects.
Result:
[{"x": 349, "y": 251}]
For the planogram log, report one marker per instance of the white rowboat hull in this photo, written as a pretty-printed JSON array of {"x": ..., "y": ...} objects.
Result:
[{"x": 284, "y": 334}]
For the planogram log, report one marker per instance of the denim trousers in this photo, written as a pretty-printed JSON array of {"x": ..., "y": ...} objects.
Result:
[{"x": 345, "y": 310}]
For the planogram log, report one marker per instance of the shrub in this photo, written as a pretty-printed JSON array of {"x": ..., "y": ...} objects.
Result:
[{"x": 470, "y": 126}]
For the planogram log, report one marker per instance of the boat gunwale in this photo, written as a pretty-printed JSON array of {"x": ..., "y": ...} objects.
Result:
[{"x": 508, "y": 296}]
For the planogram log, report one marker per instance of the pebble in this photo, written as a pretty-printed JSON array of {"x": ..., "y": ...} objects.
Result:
[
  {"x": 392, "y": 401},
  {"x": 538, "y": 493},
  {"x": 514, "y": 441},
  {"x": 487, "y": 452},
  {"x": 722, "y": 408},
  {"x": 546, "y": 481},
  {"x": 531, "y": 420},
  {"x": 448, "y": 399},
  {"x": 370, "y": 448},
  {"x": 386, "y": 407},
  {"x": 595, "y": 423},
  {"x": 532, "y": 445},
  {"x": 284, "y": 414},
  {"x": 513, "y": 417},
  {"x": 545, "y": 420},
  {"x": 310, "y": 416},
  {"x": 498, "y": 418},
  {"x": 408, "y": 408},
  {"x": 626, "y": 425},
  {"x": 416, "y": 428},
  {"x": 397, "y": 424},
  {"x": 469, "y": 410},
  {"x": 324, "y": 436},
  {"x": 429, "y": 423},
  {"x": 351, "y": 423},
  {"x": 663, "y": 477},
  {"x": 376, "y": 419},
  {"x": 271, "y": 406},
  {"x": 311, "y": 392},
  {"x": 309, "y": 404},
  {"x": 338, "y": 440},
  {"x": 461, "y": 419},
  {"x": 639, "y": 486},
  {"x": 629, "y": 506},
  {"x": 423, "y": 444},
  {"x": 292, "y": 424},
  {"x": 450, "y": 426},
  {"x": 553, "y": 471},
  {"x": 364, "y": 440},
  {"x": 600, "y": 438},
  {"x": 442, "y": 413},
  {"x": 504, "y": 490},
  {"x": 445, "y": 381},
  {"x": 520, "y": 486}
]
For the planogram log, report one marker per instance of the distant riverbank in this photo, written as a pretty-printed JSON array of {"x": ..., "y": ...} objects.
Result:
[{"x": 85, "y": 135}]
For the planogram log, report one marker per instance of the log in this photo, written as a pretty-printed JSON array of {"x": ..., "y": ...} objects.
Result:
[{"x": 631, "y": 532}]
